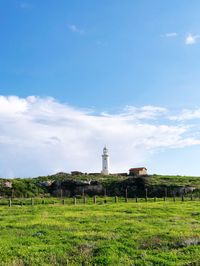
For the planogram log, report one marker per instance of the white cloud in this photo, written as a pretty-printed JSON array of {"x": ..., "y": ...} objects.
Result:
[
  {"x": 191, "y": 39},
  {"x": 135, "y": 113},
  {"x": 43, "y": 136},
  {"x": 169, "y": 34},
  {"x": 145, "y": 112},
  {"x": 187, "y": 114},
  {"x": 74, "y": 28}
]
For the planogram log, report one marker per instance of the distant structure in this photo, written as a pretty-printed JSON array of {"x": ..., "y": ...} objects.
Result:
[
  {"x": 8, "y": 184},
  {"x": 105, "y": 162},
  {"x": 76, "y": 173},
  {"x": 140, "y": 171}
]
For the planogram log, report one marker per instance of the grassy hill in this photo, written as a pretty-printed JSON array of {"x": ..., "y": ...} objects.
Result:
[
  {"x": 39, "y": 186},
  {"x": 176, "y": 180}
]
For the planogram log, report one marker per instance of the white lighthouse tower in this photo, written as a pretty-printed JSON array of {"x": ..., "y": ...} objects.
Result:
[{"x": 105, "y": 162}]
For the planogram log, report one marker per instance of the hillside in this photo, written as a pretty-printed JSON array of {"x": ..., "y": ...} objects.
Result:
[{"x": 96, "y": 184}]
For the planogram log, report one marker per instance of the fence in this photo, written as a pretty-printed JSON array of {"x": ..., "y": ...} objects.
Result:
[{"x": 83, "y": 200}]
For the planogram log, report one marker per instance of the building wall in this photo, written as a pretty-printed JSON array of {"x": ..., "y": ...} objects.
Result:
[
  {"x": 138, "y": 172},
  {"x": 143, "y": 172}
]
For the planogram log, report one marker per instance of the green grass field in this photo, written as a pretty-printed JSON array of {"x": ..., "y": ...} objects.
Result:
[{"x": 152, "y": 233}]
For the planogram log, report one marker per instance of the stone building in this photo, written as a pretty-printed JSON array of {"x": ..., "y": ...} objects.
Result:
[{"x": 140, "y": 171}]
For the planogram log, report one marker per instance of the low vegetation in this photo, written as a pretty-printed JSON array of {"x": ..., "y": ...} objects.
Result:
[
  {"x": 145, "y": 233},
  {"x": 71, "y": 185},
  {"x": 192, "y": 181}
]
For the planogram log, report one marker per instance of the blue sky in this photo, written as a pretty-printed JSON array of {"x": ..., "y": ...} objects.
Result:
[{"x": 105, "y": 57}]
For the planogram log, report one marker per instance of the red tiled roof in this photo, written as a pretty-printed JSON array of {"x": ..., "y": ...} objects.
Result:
[{"x": 137, "y": 169}]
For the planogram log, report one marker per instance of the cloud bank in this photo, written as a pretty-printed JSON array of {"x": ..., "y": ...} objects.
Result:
[
  {"x": 40, "y": 136},
  {"x": 187, "y": 114}
]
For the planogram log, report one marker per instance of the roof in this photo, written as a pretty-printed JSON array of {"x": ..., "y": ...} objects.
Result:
[{"x": 138, "y": 169}]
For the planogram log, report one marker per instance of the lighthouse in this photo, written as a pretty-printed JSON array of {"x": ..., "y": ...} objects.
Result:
[{"x": 105, "y": 162}]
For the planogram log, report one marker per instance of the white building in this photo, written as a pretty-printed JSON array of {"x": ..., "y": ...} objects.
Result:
[{"x": 105, "y": 162}]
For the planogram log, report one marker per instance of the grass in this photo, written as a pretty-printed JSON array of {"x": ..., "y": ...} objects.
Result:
[
  {"x": 152, "y": 233},
  {"x": 192, "y": 181}
]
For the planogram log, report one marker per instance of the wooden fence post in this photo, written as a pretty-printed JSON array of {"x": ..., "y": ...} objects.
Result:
[
  {"x": 32, "y": 201},
  {"x": 84, "y": 200},
  {"x": 94, "y": 199},
  {"x": 74, "y": 200},
  {"x": 182, "y": 197},
  {"x": 136, "y": 199},
  {"x": 63, "y": 201},
  {"x": 146, "y": 194},
  {"x": 126, "y": 195},
  {"x": 116, "y": 199},
  {"x": 105, "y": 195},
  {"x": 10, "y": 203},
  {"x": 174, "y": 198},
  {"x": 165, "y": 197}
]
